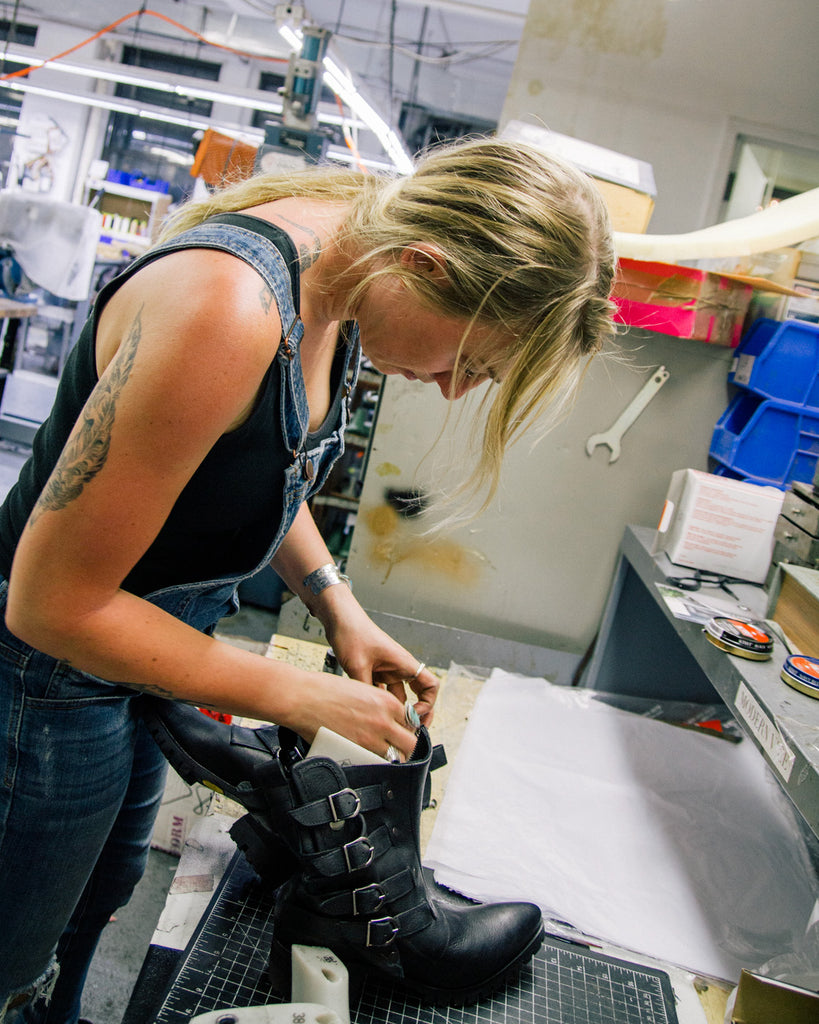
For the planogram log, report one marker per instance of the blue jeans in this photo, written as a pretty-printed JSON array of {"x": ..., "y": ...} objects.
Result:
[
  {"x": 80, "y": 780},
  {"x": 81, "y": 784}
]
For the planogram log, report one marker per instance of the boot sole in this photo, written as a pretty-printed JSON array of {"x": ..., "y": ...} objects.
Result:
[
  {"x": 280, "y": 977},
  {"x": 187, "y": 767}
]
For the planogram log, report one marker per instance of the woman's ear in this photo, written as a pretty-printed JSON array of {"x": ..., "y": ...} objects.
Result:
[{"x": 426, "y": 259}]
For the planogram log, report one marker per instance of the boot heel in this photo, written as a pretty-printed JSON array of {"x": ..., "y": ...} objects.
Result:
[
  {"x": 356, "y": 979},
  {"x": 263, "y": 850}
]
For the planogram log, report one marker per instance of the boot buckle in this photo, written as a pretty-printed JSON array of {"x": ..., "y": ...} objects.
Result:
[
  {"x": 376, "y": 928},
  {"x": 372, "y": 890},
  {"x": 342, "y": 813},
  {"x": 349, "y": 848}
]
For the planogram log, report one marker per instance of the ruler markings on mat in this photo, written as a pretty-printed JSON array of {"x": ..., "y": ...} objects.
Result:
[{"x": 226, "y": 961}]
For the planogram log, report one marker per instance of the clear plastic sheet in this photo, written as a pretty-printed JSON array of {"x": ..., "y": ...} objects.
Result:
[{"x": 658, "y": 839}]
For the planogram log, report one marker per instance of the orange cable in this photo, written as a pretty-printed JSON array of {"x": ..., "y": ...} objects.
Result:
[
  {"x": 126, "y": 17},
  {"x": 349, "y": 140}
]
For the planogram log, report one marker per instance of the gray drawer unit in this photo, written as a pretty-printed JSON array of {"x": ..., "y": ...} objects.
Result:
[{"x": 801, "y": 507}]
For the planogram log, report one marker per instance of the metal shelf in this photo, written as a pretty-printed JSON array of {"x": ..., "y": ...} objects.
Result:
[{"x": 643, "y": 650}]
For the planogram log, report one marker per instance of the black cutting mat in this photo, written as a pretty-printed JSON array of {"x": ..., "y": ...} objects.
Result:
[{"x": 225, "y": 966}]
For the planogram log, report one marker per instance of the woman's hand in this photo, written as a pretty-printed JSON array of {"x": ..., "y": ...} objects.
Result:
[
  {"x": 369, "y": 655},
  {"x": 368, "y": 715},
  {"x": 365, "y": 652}
]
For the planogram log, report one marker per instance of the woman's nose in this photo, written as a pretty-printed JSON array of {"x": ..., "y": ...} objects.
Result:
[{"x": 451, "y": 389}]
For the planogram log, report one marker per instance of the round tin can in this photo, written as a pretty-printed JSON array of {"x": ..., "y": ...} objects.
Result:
[
  {"x": 738, "y": 636},
  {"x": 802, "y": 673}
]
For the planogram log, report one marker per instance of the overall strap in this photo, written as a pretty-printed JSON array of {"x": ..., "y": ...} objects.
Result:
[{"x": 263, "y": 246}]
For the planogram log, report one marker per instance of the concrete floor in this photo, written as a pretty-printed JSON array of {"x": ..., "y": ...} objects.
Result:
[{"x": 126, "y": 939}]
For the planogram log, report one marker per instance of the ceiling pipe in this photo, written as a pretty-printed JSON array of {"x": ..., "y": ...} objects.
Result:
[{"x": 468, "y": 9}]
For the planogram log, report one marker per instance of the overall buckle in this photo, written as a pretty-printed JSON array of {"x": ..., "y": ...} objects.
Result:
[
  {"x": 339, "y": 814},
  {"x": 368, "y": 890}
]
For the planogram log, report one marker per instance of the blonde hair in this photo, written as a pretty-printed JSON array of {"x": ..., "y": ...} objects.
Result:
[{"x": 526, "y": 247}]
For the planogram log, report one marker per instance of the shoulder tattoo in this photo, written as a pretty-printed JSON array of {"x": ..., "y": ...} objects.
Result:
[
  {"x": 87, "y": 448},
  {"x": 308, "y": 255}
]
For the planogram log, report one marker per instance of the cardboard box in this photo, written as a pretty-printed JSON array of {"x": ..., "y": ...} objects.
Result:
[
  {"x": 627, "y": 184},
  {"x": 761, "y": 1000},
  {"x": 629, "y": 209},
  {"x": 182, "y": 805},
  {"x": 682, "y": 301},
  {"x": 794, "y": 604},
  {"x": 719, "y": 525}
]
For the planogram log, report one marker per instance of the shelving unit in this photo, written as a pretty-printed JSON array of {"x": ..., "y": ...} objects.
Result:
[
  {"x": 335, "y": 507},
  {"x": 32, "y": 360},
  {"x": 127, "y": 206}
]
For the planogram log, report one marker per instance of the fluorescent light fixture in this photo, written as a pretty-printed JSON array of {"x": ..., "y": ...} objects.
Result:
[
  {"x": 87, "y": 99},
  {"x": 345, "y": 88},
  {"x": 123, "y": 76},
  {"x": 344, "y": 156},
  {"x": 291, "y": 37},
  {"x": 172, "y": 155},
  {"x": 337, "y": 79}
]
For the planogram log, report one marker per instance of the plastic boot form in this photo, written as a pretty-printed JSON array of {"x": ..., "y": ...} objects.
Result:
[{"x": 362, "y": 892}]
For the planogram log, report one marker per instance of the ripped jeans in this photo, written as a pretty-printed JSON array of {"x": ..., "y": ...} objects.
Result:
[{"x": 80, "y": 784}]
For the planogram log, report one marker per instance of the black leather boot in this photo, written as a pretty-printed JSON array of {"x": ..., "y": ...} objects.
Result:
[
  {"x": 341, "y": 845},
  {"x": 362, "y": 892}
]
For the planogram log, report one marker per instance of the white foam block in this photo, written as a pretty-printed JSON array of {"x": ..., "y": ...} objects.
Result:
[
  {"x": 320, "y": 977},
  {"x": 274, "y": 1013}
]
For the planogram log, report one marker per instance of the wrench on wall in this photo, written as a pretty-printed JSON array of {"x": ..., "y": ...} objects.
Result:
[{"x": 613, "y": 436}]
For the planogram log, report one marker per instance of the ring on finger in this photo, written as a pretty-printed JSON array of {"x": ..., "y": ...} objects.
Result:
[
  {"x": 421, "y": 666},
  {"x": 391, "y": 754},
  {"x": 411, "y": 717}
]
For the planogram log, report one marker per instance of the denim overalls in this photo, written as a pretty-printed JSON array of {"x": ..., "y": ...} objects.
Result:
[{"x": 74, "y": 757}]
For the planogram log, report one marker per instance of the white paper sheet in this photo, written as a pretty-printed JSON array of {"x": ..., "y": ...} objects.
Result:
[{"x": 651, "y": 837}]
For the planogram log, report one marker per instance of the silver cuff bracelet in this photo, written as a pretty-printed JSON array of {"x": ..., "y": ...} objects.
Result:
[{"x": 323, "y": 577}]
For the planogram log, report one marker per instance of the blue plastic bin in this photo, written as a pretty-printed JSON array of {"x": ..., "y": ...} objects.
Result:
[
  {"x": 780, "y": 360},
  {"x": 137, "y": 180},
  {"x": 767, "y": 442}
]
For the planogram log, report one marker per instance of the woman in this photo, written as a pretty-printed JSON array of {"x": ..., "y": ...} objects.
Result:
[{"x": 201, "y": 406}]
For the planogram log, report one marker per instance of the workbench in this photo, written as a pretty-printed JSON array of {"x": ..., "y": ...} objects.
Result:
[
  {"x": 642, "y": 650},
  {"x": 197, "y": 915}
]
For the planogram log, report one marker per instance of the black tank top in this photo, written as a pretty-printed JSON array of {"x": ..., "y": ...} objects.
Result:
[{"x": 225, "y": 518}]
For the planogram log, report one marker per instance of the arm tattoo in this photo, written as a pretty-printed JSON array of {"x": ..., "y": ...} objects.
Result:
[{"x": 86, "y": 451}]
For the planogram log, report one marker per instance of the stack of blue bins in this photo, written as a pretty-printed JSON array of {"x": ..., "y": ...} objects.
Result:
[{"x": 769, "y": 434}]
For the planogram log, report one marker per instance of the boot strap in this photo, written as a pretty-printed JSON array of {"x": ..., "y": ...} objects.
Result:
[
  {"x": 368, "y": 899},
  {"x": 340, "y": 806},
  {"x": 352, "y": 856},
  {"x": 383, "y": 931}
]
